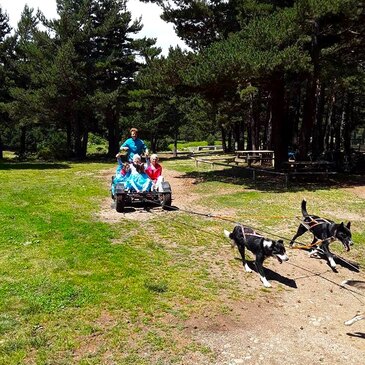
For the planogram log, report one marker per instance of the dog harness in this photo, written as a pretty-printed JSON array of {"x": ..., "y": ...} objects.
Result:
[
  {"x": 253, "y": 233},
  {"x": 313, "y": 223}
]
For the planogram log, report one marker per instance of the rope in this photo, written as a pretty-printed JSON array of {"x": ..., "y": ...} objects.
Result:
[
  {"x": 210, "y": 215},
  {"x": 353, "y": 292}
]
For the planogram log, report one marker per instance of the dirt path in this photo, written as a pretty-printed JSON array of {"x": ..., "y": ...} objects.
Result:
[{"x": 299, "y": 324}]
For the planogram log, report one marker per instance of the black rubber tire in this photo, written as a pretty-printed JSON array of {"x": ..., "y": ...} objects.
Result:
[
  {"x": 120, "y": 203},
  {"x": 166, "y": 200}
]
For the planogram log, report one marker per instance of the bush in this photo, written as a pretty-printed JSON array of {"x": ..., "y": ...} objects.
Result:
[
  {"x": 97, "y": 144},
  {"x": 53, "y": 148},
  {"x": 210, "y": 140}
]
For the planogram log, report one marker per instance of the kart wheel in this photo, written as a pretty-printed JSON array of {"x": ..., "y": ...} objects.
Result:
[
  {"x": 120, "y": 203},
  {"x": 166, "y": 200},
  {"x": 111, "y": 188}
]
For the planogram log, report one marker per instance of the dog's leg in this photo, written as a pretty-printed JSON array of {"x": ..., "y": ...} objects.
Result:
[
  {"x": 314, "y": 253},
  {"x": 241, "y": 249},
  {"x": 329, "y": 255},
  {"x": 259, "y": 266},
  {"x": 357, "y": 318},
  {"x": 239, "y": 242},
  {"x": 301, "y": 230}
]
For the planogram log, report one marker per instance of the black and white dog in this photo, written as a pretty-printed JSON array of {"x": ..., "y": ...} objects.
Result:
[
  {"x": 261, "y": 247},
  {"x": 324, "y": 232}
]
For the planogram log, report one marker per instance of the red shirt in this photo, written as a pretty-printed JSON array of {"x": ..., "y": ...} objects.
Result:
[{"x": 154, "y": 172}]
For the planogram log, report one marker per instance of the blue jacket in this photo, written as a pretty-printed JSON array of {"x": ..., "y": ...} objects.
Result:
[{"x": 135, "y": 146}]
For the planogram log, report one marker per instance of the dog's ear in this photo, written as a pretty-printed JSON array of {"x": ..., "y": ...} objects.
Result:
[
  {"x": 348, "y": 226},
  {"x": 281, "y": 241},
  {"x": 341, "y": 225}
]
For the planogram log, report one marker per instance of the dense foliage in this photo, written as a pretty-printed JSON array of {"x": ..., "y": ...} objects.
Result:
[{"x": 284, "y": 75}]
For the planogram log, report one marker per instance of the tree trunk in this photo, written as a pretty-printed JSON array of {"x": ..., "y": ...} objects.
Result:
[
  {"x": 249, "y": 135},
  {"x": 268, "y": 129},
  {"x": 309, "y": 111},
  {"x": 347, "y": 127},
  {"x": 175, "y": 144},
  {"x": 224, "y": 138},
  {"x": 113, "y": 133},
  {"x": 241, "y": 139},
  {"x": 23, "y": 133},
  {"x": 328, "y": 121},
  {"x": 257, "y": 123},
  {"x": 78, "y": 135},
  {"x": 69, "y": 138},
  {"x": 280, "y": 127},
  {"x": 154, "y": 143},
  {"x": 229, "y": 141},
  {"x": 84, "y": 141},
  {"x": 294, "y": 130},
  {"x": 318, "y": 135},
  {"x": 237, "y": 136},
  {"x": 1, "y": 149}
]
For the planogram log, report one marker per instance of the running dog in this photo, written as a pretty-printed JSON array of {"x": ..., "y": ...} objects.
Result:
[
  {"x": 324, "y": 232},
  {"x": 262, "y": 248},
  {"x": 360, "y": 285}
]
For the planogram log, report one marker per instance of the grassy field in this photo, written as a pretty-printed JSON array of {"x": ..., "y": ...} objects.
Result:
[{"x": 75, "y": 290}]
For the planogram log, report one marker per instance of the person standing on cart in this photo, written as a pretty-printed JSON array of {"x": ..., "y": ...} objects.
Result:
[{"x": 134, "y": 145}]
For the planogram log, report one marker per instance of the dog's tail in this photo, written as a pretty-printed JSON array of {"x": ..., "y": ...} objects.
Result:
[
  {"x": 304, "y": 208},
  {"x": 229, "y": 235}
]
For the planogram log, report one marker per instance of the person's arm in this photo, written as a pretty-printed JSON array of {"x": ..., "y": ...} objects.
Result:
[
  {"x": 119, "y": 160},
  {"x": 124, "y": 146}
]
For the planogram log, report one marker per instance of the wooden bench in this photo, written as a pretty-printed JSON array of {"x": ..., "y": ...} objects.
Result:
[
  {"x": 260, "y": 159},
  {"x": 198, "y": 150},
  {"x": 255, "y": 156},
  {"x": 308, "y": 169},
  {"x": 209, "y": 148},
  {"x": 308, "y": 166}
]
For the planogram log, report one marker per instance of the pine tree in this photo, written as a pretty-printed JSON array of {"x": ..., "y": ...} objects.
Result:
[{"x": 5, "y": 49}]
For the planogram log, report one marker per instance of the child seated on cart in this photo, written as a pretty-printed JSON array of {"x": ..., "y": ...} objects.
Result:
[
  {"x": 122, "y": 173},
  {"x": 123, "y": 169},
  {"x": 138, "y": 179},
  {"x": 154, "y": 171}
]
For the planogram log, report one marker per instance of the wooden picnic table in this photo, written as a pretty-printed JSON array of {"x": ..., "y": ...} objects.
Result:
[
  {"x": 250, "y": 156},
  {"x": 298, "y": 166}
]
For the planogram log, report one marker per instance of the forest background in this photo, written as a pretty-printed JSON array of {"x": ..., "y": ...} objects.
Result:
[{"x": 284, "y": 75}]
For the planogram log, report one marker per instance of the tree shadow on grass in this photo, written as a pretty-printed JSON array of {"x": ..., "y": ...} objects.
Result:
[
  {"x": 33, "y": 166},
  {"x": 271, "y": 183}
]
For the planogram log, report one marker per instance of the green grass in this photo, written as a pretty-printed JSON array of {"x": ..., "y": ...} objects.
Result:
[
  {"x": 181, "y": 145},
  {"x": 76, "y": 290}
]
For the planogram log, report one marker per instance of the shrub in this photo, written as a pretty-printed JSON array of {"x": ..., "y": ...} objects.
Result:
[
  {"x": 53, "y": 148},
  {"x": 210, "y": 140}
]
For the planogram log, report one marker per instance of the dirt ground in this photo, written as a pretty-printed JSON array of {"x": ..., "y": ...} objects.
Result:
[{"x": 303, "y": 323}]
